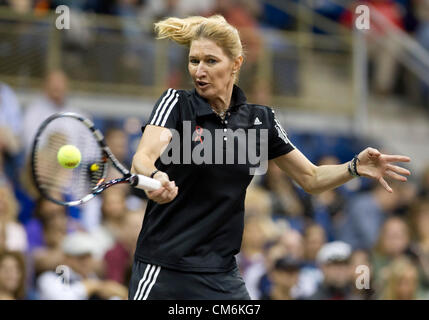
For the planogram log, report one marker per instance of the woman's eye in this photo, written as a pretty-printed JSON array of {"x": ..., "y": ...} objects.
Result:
[
  {"x": 211, "y": 61},
  {"x": 194, "y": 61}
]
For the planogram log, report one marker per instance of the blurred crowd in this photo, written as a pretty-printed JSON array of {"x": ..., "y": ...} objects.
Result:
[
  {"x": 48, "y": 251},
  {"x": 295, "y": 246},
  {"x": 260, "y": 24}
]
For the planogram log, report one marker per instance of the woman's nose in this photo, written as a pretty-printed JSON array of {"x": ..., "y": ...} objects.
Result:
[{"x": 200, "y": 71}]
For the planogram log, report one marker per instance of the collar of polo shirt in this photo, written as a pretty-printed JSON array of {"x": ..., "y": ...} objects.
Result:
[{"x": 238, "y": 98}]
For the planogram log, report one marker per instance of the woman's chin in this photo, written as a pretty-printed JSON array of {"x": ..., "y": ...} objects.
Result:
[{"x": 204, "y": 93}]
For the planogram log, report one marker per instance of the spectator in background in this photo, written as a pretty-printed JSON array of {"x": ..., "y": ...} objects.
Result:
[
  {"x": 334, "y": 261},
  {"x": 363, "y": 217},
  {"x": 293, "y": 242},
  {"x": 407, "y": 194},
  {"x": 12, "y": 233},
  {"x": 117, "y": 140},
  {"x": 113, "y": 211},
  {"x": 288, "y": 242},
  {"x": 285, "y": 199},
  {"x": 419, "y": 222},
  {"x": 55, "y": 226},
  {"x": 402, "y": 281},
  {"x": 284, "y": 278},
  {"x": 259, "y": 228},
  {"x": 54, "y": 100},
  {"x": 310, "y": 276},
  {"x": 118, "y": 260},
  {"x": 361, "y": 258},
  {"x": 10, "y": 129},
  {"x": 314, "y": 239},
  {"x": 46, "y": 211},
  {"x": 258, "y": 202},
  {"x": 80, "y": 281},
  {"x": 257, "y": 231},
  {"x": 12, "y": 275},
  {"x": 393, "y": 241}
]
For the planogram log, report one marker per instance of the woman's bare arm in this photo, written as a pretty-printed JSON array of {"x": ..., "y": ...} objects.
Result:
[{"x": 316, "y": 179}]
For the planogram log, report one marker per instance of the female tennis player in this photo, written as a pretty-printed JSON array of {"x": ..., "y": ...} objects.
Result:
[{"x": 193, "y": 224}]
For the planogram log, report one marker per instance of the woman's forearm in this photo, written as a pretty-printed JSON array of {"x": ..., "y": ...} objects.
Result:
[
  {"x": 328, "y": 177},
  {"x": 143, "y": 164}
]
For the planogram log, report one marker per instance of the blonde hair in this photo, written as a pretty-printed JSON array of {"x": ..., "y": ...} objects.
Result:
[
  {"x": 216, "y": 28},
  {"x": 393, "y": 275}
]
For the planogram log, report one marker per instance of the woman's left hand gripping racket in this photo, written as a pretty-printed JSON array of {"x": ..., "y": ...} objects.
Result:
[{"x": 77, "y": 185}]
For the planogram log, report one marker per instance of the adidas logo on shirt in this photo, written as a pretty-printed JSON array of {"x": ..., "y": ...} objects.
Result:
[{"x": 257, "y": 122}]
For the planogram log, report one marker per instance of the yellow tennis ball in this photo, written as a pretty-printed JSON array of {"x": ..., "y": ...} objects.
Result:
[
  {"x": 94, "y": 167},
  {"x": 69, "y": 156}
]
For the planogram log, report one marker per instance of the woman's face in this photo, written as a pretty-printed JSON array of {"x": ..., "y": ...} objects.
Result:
[
  {"x": 114, "y": 205},
  {"x": 395, "y": 240},
  {"x": 10, "y": 274},
  {"x": 407, "y": 285},
  {"x": 210, "y": 68},
  {"x": 314, "y": 240}
]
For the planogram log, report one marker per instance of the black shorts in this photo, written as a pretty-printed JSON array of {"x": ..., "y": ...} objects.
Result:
[{"x": 151, "y": 282}]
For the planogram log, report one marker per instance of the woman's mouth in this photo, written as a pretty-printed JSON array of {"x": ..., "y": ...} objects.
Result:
[{"x": 202, "y": 84}]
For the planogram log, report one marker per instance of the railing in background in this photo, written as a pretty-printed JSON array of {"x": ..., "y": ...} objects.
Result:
[{"x": 110, "y": 55}]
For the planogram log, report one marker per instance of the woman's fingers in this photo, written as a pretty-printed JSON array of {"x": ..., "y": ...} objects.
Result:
[
  {"x": 385, "y": 184},
  {"x": 172, "y": 194},
  {"x": 165, "y": 195},
  {"x": 398, "y": 169},
  {"x": 155, "y": 193},
  {"x": 396, "y": 176},
  {"x": 396, "y": 158}
]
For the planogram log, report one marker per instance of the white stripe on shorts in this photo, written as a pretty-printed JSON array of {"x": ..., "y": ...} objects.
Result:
[
  {"x": 141, "y": 281},
  {"x": 146, "y": 282},
  {"x": 158, "y": 269}
]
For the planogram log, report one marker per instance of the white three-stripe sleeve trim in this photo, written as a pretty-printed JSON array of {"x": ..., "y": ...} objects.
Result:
[
  {"x": 281, "y": 128},
  {"x": 158, "y": 269},
  {"x": 167, "y": 95},
  {"x": 286, "y": 138},
  {"x": 141, "y": 281},
  {"x": 166, "y": 104},
  {"x": 169, "y": 110},
  {"x": 152, "y": 269},
  {"x": 162, "y": 107}
]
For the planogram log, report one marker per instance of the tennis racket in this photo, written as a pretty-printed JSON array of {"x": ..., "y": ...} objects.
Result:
[{"x": 72, "y": 187}]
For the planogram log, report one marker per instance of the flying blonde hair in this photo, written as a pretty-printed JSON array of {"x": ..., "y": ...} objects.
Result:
[{"x": 216, "y": 28}]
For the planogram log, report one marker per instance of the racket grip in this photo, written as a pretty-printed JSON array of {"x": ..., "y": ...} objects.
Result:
[{"x": 145, "y": 183}]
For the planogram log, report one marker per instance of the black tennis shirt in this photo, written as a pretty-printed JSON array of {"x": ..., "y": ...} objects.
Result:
[{"x": 201, "y": 229}]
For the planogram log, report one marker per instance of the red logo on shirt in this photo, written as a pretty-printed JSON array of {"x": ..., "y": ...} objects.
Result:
[{"x": 198, "y": 133}]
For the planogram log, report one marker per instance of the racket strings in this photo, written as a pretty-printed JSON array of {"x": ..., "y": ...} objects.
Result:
[{"x": 67, "y": 184}]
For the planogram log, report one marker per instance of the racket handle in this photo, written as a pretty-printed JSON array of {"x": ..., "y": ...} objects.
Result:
[{"x": 145, "y": 183}]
